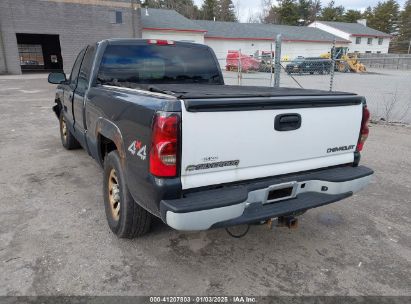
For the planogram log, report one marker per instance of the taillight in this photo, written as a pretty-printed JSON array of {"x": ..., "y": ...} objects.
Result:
[
  {"x": 164, "y": 145},
  {"x": 160, "y": 42},
  {"x": 364, "y": 128}
]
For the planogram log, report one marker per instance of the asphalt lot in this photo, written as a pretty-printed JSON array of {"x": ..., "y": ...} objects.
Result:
[
  {"x": 384, "y": 89},
  {"x": 54, "y": 238}
]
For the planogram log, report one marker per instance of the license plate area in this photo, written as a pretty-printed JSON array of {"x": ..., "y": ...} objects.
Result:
[{"x": 280, "y": 192}]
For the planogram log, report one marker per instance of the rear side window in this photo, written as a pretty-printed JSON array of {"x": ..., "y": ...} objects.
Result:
[{"x": 158, "y": 64}]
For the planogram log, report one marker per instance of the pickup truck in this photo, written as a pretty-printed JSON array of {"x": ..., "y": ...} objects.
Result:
[{"x": 176, "y": 143}]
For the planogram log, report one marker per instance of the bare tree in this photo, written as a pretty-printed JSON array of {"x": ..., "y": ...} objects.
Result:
[
  {"x": 392, "y": 105},
  {"x": 253, "y": 17},
  {"x": 237, "y": 9}
]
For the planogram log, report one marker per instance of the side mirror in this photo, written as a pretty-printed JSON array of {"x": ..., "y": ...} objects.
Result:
[{"x": 57, "y": 78}]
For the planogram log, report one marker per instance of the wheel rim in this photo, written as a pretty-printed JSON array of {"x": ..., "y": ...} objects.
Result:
[
  {"x": 114, "y": 194},
  {"x": 64, "y": 129}
]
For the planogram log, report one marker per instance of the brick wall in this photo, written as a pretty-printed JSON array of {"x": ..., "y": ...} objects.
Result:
[{"x": 77, "y": 22}]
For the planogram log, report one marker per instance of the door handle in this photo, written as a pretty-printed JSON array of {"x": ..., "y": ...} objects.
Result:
[{"x": 287, "y": 122}]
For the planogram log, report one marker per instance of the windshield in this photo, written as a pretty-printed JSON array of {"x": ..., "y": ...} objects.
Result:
[{"x": 158, "y": 64}]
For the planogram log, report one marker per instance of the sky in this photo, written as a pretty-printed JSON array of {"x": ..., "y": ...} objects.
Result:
[{"x": 253, "y": 6}]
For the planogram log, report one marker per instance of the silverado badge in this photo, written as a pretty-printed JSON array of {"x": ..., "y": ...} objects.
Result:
[{"x": 220, "y": 164}]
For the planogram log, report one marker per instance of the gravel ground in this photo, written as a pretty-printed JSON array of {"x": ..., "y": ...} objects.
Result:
[
  {"x": 384, "y": 89},
  {"x": 54, "y": 238}
]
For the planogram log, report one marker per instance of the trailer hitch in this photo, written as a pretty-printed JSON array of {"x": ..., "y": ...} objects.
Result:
[
  {"x": 284, "y": 221},
  {"x": 287, "y": 221}
]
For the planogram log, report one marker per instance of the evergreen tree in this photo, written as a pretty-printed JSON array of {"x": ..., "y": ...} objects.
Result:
[
  {"x": 332, "y": 12},
  {"x": 368, "y": 14},
  {"x": 208, "y": 10},
  {"x": 304, "y": 7},
  {"x": 315, "y": 10},
  {"x": 308, "y": 10},
  {"x": 402, "y": 42},
  {"x": 152, "y": 3},
  {"x": 225, "y": 11},
  {"x": 288, "y": 12},
  {"x": 184, "y": 7},
  {"x": 352, "y": 16},
  {"x": 385, "y": 17}
]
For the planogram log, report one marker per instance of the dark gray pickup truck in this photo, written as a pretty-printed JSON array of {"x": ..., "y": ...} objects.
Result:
[{"x": 177, "y": 143}]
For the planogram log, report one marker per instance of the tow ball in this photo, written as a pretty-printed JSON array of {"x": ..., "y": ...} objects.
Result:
[{"x": 283, "y": 221}]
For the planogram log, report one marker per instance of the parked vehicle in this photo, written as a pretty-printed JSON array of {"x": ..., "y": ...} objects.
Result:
[
  {"x": 247, "y": 63},
  {"x": 344, "y": 61},
  {"x": 310, "y": 65},
  {"x": 175, "y": 142}
]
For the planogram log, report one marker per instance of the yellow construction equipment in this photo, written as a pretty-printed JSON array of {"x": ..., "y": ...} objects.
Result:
[{"x": 345, "y": 62}]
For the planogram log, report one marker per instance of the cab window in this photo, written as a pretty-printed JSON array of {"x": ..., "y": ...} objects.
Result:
[
  {"x": 76, "y": 69},
  {"x": 85, "y": 70}
]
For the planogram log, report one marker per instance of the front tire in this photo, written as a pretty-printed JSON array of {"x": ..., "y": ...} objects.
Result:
[
  {"x": 125, "y": 217},
  {"x": 67, "y": 138}
]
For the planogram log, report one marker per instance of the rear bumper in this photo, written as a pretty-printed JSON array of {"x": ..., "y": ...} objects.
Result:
[{"x": 245, "y": 203}]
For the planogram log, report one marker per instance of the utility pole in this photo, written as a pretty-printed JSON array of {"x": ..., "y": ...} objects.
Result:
[
  {"x": 277, "y": 68},
  {"x": 332, "y": 72},
  {"x": 137, "y": 28},
  {"x": 409, "y": 48}
]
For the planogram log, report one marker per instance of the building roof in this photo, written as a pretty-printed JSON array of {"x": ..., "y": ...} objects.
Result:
[
  {"x": 355, "y": 29},
  {"x": 258, "y": 31},
  {"x": 163, "y": 19},
  {"x": 170, "y": 20}
]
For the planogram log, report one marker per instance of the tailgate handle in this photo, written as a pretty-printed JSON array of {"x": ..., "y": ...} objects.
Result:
[{"x": 287, "y": 122}]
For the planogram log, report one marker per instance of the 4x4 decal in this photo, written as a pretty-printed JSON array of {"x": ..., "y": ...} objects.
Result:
[{"x": 137, "y": 148}]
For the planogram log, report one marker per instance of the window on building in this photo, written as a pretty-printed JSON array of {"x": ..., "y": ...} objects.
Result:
[
  {"x": 116, "y": 17},
  {"x": 31, "y": 54},
  {"x": 119, "y": 17},
  {"x": 358, "y": 40},
  {"x": 368, "y": 52},
  {"x": 369, "y": 41},
  {"x": 380, "y": 41}
]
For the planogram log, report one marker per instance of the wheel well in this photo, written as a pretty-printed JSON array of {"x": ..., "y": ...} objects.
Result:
[
  {"x": 57, "y": 108},
  {"x": 106, "y": 146}
]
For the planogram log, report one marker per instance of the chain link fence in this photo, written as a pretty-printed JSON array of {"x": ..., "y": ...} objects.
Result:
[{"x": 384, "y": 79}]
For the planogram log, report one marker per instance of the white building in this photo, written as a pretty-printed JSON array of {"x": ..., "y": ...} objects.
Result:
[
  {"x": 253, "y": 37},
  {"x": 363, "y": 39}
]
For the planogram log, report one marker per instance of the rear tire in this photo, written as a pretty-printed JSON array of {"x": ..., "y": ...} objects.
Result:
[
  {"x": 125, "y": 217},
  {"x": 67, "y": 138}
]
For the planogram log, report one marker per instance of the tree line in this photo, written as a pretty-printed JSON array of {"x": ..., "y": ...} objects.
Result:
[
  {"x": 220, "y": 10},
  {"x": 386, "y": 16}
]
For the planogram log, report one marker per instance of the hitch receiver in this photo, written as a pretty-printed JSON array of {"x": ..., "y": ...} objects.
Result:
[{"x": 287, "y": 221}]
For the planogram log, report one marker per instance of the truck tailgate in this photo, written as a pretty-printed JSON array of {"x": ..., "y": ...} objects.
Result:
[{"x": 225, "y": 141}]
